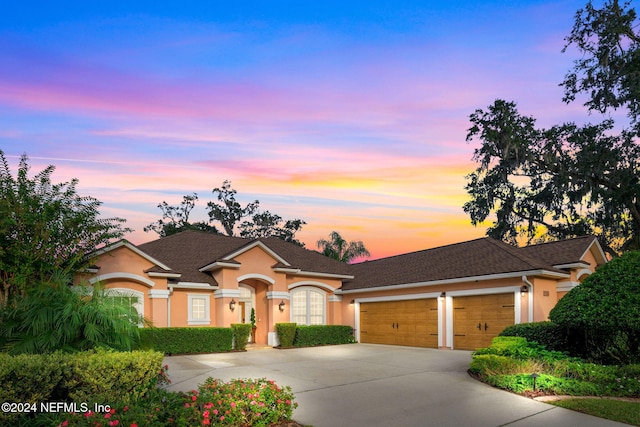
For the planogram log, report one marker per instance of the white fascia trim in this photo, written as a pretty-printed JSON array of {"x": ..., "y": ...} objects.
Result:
[
  {"x": 311, "y": 283},
  {"x": 580, "y": 264},
  {"x": 583, "y": 272},
  {"x": 566, "y": 286},
  {"x": 335, "y": 298},
  {"x": 134, "y": 249},
  {"x": 459, "y": 280},
  {"x": 192, "y": 285},
  {"x": 599, "y": 252},
  {"x": 256, "y": 276},
  {"x": 218, "y": 265},
  {"x": 327, "y": 275},
  {"x": 262, "y": 246},
  {"x": 170, "y": 275},
  {"x": 485, "y": 291},
  {"x": 400, "y": 297},
  {"x": 286, "y": 270},
  {"x": 159, "y": 293},
  {"x": 122, "y": 275},
  {"x": 226, "y": 293},
  {"x": 278, "y": 295}
]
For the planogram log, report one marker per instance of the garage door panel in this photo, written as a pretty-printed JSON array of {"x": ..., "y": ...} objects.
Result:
[
  {"x": 479, "y": 318},
  {"x": 406, "y": 322}
]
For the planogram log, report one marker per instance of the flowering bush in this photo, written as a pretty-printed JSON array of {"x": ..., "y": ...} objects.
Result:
[{"x": 242, "y": 402}]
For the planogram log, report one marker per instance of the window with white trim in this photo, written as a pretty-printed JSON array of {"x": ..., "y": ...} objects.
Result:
[
  {"x": 198, "y": 309},
  {"x": 308, "y": 306},
  {"x": 130, "y": 301}
]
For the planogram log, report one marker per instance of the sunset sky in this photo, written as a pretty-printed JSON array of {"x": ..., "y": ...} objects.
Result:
[{"x": 351, "y": 115}]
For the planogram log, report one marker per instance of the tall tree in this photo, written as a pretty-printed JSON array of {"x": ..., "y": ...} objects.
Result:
[
  {"x": 46, "y": 228},
  {"x": 227, "y": 210},
  {"x": 568, "y": 180},
  {"x": 339, "y": 249},
  {"x": 607, "y": 70},
  {"x": 176, "y": 218},
  {"x": 554, "y": 183},
  {"x": 266, "y": 224}
]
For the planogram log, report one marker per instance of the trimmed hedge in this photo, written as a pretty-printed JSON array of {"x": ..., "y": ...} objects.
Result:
[
  {"x": 103, "y": 377},
  {"x": 187, "y": 340},
  {"x": 547, "y": 334},
  {"x": 286, "y": 334},
  {"x": 99, "y": 376},
  {"x": 241, "y": 332},
  {"x": 308, "y": 336}
]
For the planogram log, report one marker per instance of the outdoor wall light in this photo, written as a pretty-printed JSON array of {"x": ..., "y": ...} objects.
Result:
[
  {"x": 281, "y": 305},
  {"x": 232, "y": 304},
  {"x": 352, "y": 302},
  {"x": 443, "y": 294},
  {"x": 523, "y": 290}
]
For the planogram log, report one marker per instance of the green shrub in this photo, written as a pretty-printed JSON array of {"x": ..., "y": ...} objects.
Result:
[
  {"x": 101, "y": 376},
  {"x": 547, "y": 334},
  {"x": 104, "y": 377},
  {"x": 308, "y": 336},
  {"x": 241, "y": 332},
  {"x": 487, "y": 365},
  {"x": 187, "y": 340},
  {"x": 53, "y": 316},
  {"x": 286, "y": 334},
  {"x": 520, "y": 348},
  {"x": 520, "y": 383},
  {"x": 601, "y": 317},
  {"x": 29, "y": 378}
]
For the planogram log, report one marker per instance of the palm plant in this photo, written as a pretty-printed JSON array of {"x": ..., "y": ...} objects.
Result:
[
  {"x": 55, "y": 316},
  {"x": 339, "y": 249}
]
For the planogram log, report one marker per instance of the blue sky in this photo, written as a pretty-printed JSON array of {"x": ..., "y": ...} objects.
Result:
[{"x": 349, "y": 115}]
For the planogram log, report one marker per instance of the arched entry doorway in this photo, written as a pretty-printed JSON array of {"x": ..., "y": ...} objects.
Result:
[
  {"x": 246, "y": 303},
  {"x": 253, "y": 294}
]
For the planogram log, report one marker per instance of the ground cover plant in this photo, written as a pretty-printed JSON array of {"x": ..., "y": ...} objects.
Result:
[
  {"x": 621, "y": 411},
  {"x": 509, "y": 362}
]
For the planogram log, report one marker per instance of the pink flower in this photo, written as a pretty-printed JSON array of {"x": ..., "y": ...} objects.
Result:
[
  {"x": 194, "y": 398},
  {"x": 126, "y": 408},
  {"x": 133, "y": 425},
  {"x": 222, "y": 418},
  {"x": 107, "y": 415},
  {"x": 65, "y": 423},
  {"x": 288, "y": 402},
  {"x": 88, "y": 414},
  {"x": 208, "y": 405},
  {"x": 215, "y": 412},
  {"x": 114, "y": 423},
  {"x": 233, "y": 404},
  {"x": 205, "y": 414},
  {"x": 206, "y": 422}
]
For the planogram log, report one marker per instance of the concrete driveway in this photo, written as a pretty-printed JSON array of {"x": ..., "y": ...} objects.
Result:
[{"x": 377, "y": 385}]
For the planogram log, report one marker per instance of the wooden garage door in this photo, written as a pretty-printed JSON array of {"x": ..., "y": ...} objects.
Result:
[
  {"x": 411, "y": 322},
  {"x": 477, "y": 319}
]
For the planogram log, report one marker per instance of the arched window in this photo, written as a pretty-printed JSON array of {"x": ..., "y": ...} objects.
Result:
[{"x": 308, "y": 306}]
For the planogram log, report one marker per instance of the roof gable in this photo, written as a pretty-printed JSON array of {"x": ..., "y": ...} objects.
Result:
[{"x": 158, "y": 265}]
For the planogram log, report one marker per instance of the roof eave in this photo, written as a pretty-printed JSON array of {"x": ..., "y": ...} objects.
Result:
[{"x": 518, "y": 274}]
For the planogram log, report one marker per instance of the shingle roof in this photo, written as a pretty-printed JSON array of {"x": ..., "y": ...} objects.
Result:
[
  {"x": 188, "y": 251},
  {"x": 480, "y": 257},
  {"x": 561, "y": 252}
]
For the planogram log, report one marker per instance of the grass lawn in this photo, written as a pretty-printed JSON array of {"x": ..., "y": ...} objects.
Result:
[{"x": 615, "y": 410}]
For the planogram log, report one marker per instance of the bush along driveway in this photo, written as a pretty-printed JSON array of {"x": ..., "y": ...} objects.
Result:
[{"x": 526, "y": 368}]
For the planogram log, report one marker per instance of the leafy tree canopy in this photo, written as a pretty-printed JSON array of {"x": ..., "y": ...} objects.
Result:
[
  {"x": 46, "y": 228},
  {"x": 339, "y": 249},
  {"x": 567, "y": 180},
  {"x": 227, "y": 211}
]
